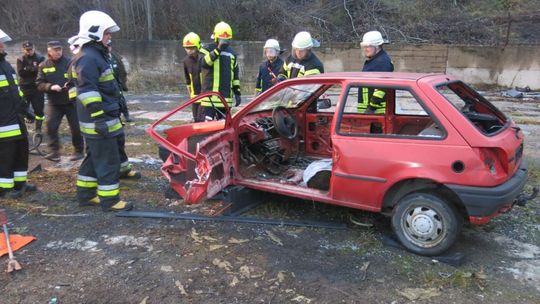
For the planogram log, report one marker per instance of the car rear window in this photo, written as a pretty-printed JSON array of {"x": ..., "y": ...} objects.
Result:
[{"x": 476, "y": 108}]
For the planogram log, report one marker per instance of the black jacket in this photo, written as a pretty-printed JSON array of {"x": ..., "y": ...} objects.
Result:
[
  {"x": 264, "y": 78},
  {"x": 227, "y": 81},
  {"x": 12, "y": 104},
  {"x": 381, "y": 62},
  {"x": 27, "y": 69},
  {"x": 119, "y": 70},
  {"x": 293, "y": 67},
  {"x": 192, "y": 72},
  {"x": 51, "y": 73},
  {"x": 98, "y": 94}
]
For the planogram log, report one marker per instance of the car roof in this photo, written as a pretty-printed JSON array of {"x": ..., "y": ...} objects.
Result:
[{"x": 380, "y": 75}]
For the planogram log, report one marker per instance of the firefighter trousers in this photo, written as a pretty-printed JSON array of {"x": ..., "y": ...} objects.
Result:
[
  {"x": 37, "y": 100},
  {"x": 100, "y": 171},
  {"x": 13, "y": 164},
  {"x": 54, "y": 119}
]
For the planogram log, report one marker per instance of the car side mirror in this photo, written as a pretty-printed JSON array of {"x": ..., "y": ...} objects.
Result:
[{"x": 324, "y": 103}]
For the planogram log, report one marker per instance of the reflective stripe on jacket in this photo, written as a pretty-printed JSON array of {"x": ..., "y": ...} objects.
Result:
[
  {"x": 381, "y": 62},
  {"x": 293, "y": 68},
  {"x": 12, "y": 126},
  {"x": 51, "y": 73},
  {"x": 220, "y": 73}
]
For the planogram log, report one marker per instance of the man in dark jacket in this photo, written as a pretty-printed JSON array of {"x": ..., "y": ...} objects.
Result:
[
  {"x": 120, "y": 74},
  {"x": 27, "y": 69},
  {"x": 13, "y": 134},
  {"x": 53, "y": 80},
  {"x": 98, "y": 110},
  {"x": 192, "y": 71},
  {"x": 269, "y": 68},
  {"x": 302, "y": 62},
  {"x": 372, "y": 100}
]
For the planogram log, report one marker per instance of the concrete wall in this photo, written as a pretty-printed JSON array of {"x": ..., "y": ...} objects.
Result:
[{"x": 157, "y": 65}]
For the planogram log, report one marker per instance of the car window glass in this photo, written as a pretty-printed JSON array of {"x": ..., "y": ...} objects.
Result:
[
  {"x": 328, "y": 101},
  {"x": 409, "y": 118},
  {"x": 290, "y": 97}
]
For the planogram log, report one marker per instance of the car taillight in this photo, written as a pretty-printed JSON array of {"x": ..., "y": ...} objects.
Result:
[{"x": 495, "y": 161}]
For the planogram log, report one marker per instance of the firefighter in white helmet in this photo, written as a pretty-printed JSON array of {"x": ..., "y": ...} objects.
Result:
[
  {"x": 302, "y": 62},
  {"x": 371, "y": 100},
  {"x": 13, "y": 134},
  {"x": 270, "y": 67},
  {"x": 98, "y": 107}
]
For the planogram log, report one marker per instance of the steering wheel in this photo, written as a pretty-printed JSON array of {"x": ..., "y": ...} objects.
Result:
[{"x": 284, "y": 122}]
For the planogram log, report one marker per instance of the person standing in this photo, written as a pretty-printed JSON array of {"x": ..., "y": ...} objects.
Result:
[
  {"x": 269, "y": 69},
  {"x": 302, "y": 62},
  {"x": 98, "y": 107},
  {"x": 27, "y": 69},
  {"x": 192, "y": 70},
  {"x": 220, "y": 72},
  {"x": 120, "y": 74},
  {"x": 13, "y": 133},
  {"x": 372, "y": 100},
  {"x": 53, "y": 80}
]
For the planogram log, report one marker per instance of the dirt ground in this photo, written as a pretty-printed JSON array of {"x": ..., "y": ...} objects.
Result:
[{"x": 83, "y": 255}]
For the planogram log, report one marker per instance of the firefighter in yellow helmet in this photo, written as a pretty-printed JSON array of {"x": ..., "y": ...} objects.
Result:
[
  {"x": 219, "y": 70},
  {"x": 192, "y": 70}
]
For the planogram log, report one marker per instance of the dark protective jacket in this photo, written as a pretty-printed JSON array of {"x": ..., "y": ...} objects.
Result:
[
  {"x": 51, "y": 73},
  {"x": 98, "y": 94},
  {"x": 293, "y": 67},
  {"x": 12, "y": 104},
  {"x": 373, "y": 100},
  {"x": 27, "y": 69},
  {"x": 192, "y": 72},
  {"x": 220, "y": 73},
  {"x": 119, "y": 70},
  {"x": 264, "y": 78}
]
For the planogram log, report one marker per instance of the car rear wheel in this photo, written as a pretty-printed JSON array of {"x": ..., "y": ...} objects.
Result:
[{"x": 425, "y": 223}]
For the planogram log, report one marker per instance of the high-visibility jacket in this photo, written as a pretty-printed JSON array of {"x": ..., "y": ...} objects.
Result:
[
  {"x": 192, "y": 73},
  {"x": 27, "y": 69},
  {"x": 98, "y": 94},
  {"x": 293, "y": 67},
  {"x": 264, "y": 78},
  {"x": 372, "y": 98},
  {"x": 220, "y": 73},
  {"x": 12, "y": 104},
  {"x": 54, "y": 72}
]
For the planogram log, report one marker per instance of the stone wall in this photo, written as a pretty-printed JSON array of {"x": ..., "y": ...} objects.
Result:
[{"x": 157, "y": 65}]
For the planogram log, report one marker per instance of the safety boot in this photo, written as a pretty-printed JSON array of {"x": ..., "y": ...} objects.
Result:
[
  {"x": 91, "y": 202},
  {"x": 53, "y": 156},
  {"x": 76, "y": 156},
  {"x": 119, "y": 206},
  {"x": 19, "y": 191},
  {"x": 131, "y": 174}
]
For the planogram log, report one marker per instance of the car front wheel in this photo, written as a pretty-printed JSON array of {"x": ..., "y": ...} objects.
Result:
[{"x": 426, "y": 224}]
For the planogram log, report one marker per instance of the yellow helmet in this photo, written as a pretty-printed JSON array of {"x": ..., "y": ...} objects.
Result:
[
  {"x": 192, "y": 40},
  {"x": 222, "y": 31}
]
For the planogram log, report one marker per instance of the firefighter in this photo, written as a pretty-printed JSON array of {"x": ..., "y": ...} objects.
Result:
[
  {"x": 53, "y": 80},
  {"x": 269, "y": 68},
  {"x": 13, "y": 133},
  {"x": 302, "y": 62},
  {"x": 27, "y": 69},
  {"x": 98, "y": 107},
  {"x": 120, "y": 74},
  {"x": 371, "y": 100},
  {"x": 192, "y": 70},
  {"x": 219, "y": 70}
]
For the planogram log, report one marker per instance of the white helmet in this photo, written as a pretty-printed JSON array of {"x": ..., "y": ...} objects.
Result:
[
  {"x": 303, "y": 40},
  {"x": 72, "y": 44},
  {"x": 4, "y": 37},
  {"x": 272, "y": 43},
  {"x": 93, "y": 25},
  {"x": 373, "y": 38}
]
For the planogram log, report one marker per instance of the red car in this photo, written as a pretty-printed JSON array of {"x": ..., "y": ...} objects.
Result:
[{"x": 440, "y": 154}]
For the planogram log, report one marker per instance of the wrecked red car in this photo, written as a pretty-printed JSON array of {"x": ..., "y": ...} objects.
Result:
[{"x": 438, "y": 155}]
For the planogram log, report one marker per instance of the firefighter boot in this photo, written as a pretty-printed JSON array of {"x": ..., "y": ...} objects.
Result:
[
  {"x": 119, "y": 206},
  {"x": 90, "y": 202}
]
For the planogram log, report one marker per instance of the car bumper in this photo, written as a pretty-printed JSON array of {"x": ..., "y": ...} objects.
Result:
[{"x": 486, "y": 202}]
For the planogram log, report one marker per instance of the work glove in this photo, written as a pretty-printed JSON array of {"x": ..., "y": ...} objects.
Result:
[
  {"x": 102, "y": 128},
  {"x": 279, "y": 78},
  {"x": 238, "y": 100},
  {"x": 223, "y": 43}
]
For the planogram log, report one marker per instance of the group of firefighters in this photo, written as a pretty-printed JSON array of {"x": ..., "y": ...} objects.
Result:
[{"x": 87, "y": 89}]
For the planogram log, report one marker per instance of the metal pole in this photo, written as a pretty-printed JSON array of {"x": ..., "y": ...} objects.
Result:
[{"x": 149, "y": 18}]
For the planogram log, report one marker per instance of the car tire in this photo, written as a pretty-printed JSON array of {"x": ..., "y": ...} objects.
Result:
[{"x": 425, "y": 223}]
